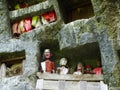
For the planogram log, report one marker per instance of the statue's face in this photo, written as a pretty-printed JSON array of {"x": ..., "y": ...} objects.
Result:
[
  {"x": 63, "y": 62},
  {"x": 79, "y": 67},
  {"x": 47, "y": 55}
]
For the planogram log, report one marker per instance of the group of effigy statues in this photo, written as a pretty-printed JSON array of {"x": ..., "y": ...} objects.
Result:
[
  {"x": 15, "y": 69},
  {"x": 48, "y": 66}
]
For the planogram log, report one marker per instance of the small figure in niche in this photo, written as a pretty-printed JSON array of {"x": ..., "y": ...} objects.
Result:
[
  {"x": 88, "y": 70},
  {"x": 16, "y": 32},
  {"x": 49, "y": 17},
  {"x": 47, "y": 65},
  {"x": 98, "y": 70},
  {"x": 3, "y": 69},
  {"x": 79, "y": 70},
  {"x": 63, "y": 69}
]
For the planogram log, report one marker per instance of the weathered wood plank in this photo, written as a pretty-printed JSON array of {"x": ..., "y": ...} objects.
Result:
[
  {"x": 70, "y": 85},
  {"x": 13, "y": 59},
  {"x": 70, "y": 77},
  {"x": 37, "y": 9}
]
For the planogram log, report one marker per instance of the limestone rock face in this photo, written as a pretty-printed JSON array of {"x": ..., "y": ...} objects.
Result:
[
  {"x": 103, "y": 28},
  {"x": 77, "y": 33},
  {"x": 4, "y": 21},
  {"x": 17, "y": 83},
  {"x": 107, "y": 13}
]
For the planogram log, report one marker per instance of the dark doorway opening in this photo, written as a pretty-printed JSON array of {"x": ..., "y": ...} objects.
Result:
[
  {"x": 13, "y": 62},
  {"x": 75, "y": 9},
  {"x": 88, "y": 55}
]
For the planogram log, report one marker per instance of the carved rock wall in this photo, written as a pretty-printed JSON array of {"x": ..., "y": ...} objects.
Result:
[{"x": 101, "y": 28}]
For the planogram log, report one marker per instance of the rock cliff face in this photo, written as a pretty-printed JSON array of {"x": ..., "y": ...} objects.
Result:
[
  {"x": 103, "y": 28},
  {"x": 4, "y": 22}
]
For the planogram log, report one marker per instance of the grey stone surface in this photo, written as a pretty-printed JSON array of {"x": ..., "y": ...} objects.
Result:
[
  {"x": 4, "y": 21},
  {"x": 32, "y": 57},
  {"x": 18, "y": 83},
  {"x": 12, "y": 45},
  {"x": 48, "y": 31},
  {"x": 77, "y": 33},
  {"x": 103, "y": 28}
]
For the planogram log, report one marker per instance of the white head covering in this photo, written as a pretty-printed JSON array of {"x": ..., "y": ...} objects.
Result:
[
  {"x": 46, "y": 50},
  {"x": 63, "y": 61}
]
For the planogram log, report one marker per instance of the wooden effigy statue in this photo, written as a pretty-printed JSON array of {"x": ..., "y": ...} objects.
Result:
[
  {"x": 47, "y": 65},
  {"x": 79, "y": 69},
  {"x": 62, "y": 69},
  {"x": 3, "y": 70}
]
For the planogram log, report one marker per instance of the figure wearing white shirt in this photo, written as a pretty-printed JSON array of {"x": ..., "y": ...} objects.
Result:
[
  {"x": 62, "y": 69},
  {"x": 79, "y": 69},
  {"x": 47, "y": 65}
]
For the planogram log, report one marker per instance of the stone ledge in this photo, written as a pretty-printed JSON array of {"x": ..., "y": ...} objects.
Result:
[
  {"x": 30, "y": 11},
  {"x": 70, "y": 77},
  {"x": 48, "y": 31}
]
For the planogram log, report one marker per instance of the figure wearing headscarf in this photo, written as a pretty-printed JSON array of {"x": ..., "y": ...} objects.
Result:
[{"x": 63, "y": 69}]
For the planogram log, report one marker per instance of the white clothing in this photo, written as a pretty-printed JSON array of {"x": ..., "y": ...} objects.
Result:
[
  {"x": 77, "y": 73},
  {"x": 63, "y": 70},
  {"x": 43, "y": 65}
]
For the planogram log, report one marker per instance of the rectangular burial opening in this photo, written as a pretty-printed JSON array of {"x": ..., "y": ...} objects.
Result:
[
  {"x": 75, "y": 9},
  {"x": 13, "y": 62},
  {"x": 53, "y": 45},
  {"x": 88, "y": 55},
  {"x": 32, "y": 22}
]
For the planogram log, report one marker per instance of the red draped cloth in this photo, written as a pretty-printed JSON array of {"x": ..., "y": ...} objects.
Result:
[
  {"x": 97, "y": 70},
  {"x": 50, "y": 16},
  {"x": 49, "y": 66},
  {"x": 27, "y": 24}
]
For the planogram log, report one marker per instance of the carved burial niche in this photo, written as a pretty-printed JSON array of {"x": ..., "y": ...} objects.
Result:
[
  {"x": 12, "y": 63},
  {"x": 32, "y": 22},
  {"x": 88, "y": 54},
  {"x": 75, "y": 9}
]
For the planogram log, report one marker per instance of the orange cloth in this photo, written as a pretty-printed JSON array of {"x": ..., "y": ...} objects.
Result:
[
  {"x": 49, "y": 66},
  {"x": 97, "y": 70},
  {"x": 50, "y": 16},
  {"x": 27, "y": 24}
]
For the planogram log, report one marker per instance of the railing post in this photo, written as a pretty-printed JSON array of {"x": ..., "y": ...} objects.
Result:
[{"x": 61, "y": 85}]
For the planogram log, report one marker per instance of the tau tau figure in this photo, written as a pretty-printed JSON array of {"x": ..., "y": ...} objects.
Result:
[
  {"x": 88, "y": 70},
  {"x": 63, "y": 69},
  {"x": 3, "y": 70},
  {"x": 79, "y": 69},
  {"x": 47, "y": 65}
]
